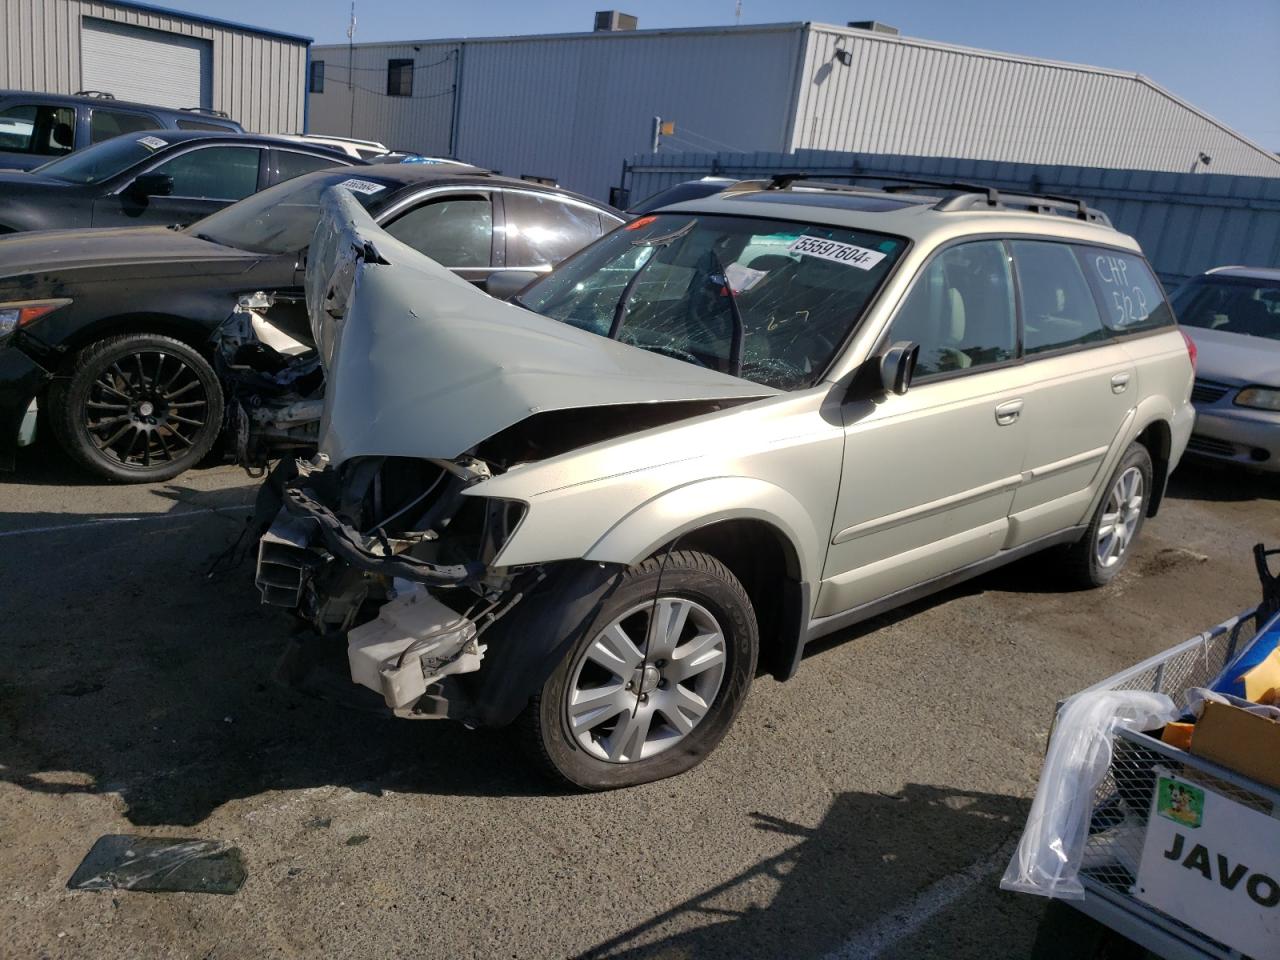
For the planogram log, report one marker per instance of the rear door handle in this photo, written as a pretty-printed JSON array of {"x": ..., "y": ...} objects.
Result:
[
  {"x": 1119, "y": 382},
  {"x": 1008, "y": 412}
]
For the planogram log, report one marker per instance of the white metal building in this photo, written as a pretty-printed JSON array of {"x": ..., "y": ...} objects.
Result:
[
  {"x": 573, "y": 106},
  {"x": 139, "y": 52}
]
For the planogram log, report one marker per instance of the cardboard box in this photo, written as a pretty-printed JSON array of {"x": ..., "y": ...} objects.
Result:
[{"x": 1240, "y": 741}]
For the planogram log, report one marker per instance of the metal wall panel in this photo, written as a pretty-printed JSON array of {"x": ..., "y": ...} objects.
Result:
[
  {"x": 257, "y": 78},
  {"x": 570, "y": 107},
  {"x": 1185, "y": 222},
  {"x": 151, "y": 66},
  {"x": 903, "y": 96}
]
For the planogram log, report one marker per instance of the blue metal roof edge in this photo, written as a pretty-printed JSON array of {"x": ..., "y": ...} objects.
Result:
[{"x": 211, "y": 21}]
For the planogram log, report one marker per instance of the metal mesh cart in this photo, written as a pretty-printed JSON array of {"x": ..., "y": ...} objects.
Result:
[{"x": 1123, "y": 801}]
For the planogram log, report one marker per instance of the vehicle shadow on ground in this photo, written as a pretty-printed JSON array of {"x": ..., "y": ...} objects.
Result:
[
  {"x": 1204, "y": 480},
  {"x": 881, "y": 875},
  {"x": 138, "y": 661}
]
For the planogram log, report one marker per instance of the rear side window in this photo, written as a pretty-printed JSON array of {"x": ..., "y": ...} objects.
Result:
[
  {"x": 542, "y": 231},
  {"x": 43, "y": 130},
  {"x": 214, "y": 173},
  {"x": 1058, "y": 308},
  {"x": 1132, "y": 300},
  {"x": 455, "y": 232},
  {"x": 290, "y": 164},
  {"x": 961, "y": 310},
  {"x": 105, "y": 124}
]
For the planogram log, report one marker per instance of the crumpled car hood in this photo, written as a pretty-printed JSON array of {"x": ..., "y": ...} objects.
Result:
[{"x": 419, "y": 363}]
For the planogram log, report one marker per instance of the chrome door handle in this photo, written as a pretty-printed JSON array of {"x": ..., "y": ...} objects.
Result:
[
  {"x": 1008, "y": 412},
  {"x": 1119, "y": 382}
]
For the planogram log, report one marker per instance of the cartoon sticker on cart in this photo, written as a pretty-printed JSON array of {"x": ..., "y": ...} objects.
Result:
[{"x": 1180, "y": 802}]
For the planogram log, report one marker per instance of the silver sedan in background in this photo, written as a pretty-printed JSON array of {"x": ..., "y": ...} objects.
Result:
[{"x": 1233, "y": 315}]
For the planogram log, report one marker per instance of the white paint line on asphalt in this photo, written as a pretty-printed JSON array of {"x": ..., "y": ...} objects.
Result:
[
  {"x": 108, "y": 521},
  {"x": 873, "y": 940}
]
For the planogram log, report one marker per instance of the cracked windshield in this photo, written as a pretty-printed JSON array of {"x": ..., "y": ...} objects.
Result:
[{"x": 768, "y": 300}]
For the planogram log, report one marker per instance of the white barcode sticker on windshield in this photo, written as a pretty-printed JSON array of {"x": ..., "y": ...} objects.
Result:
[
  {"x": 362, "y": 186},
  {"x": 834, "y": 250},
  {"x": 155, "y": 143}
]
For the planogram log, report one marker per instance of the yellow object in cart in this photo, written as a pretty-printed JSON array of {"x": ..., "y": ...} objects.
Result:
[{"x": 1260, "y": 681}]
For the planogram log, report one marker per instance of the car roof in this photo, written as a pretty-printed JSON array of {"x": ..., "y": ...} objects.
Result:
[
  {"x": 413, "y": 174},
  {"x": 1247, "y": 273},
  {"x": 922, "y": 211},
  {"x": 230, "y": 136},
  {"x": 75, "y": 99}
]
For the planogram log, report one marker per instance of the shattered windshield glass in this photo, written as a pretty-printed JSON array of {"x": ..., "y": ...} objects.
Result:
[
  {"x": 282, "y": 218},
  {"x": 768, "y": 300}
]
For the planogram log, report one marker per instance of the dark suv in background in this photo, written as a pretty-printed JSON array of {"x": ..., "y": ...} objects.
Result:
[{"x": 38, "y": 127}]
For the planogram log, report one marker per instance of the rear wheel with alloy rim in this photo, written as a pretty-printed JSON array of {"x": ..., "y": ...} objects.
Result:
[
  {"x": 1103, "y": 551},
  {"x": 655, "y": 680},
  {"x": 137, "y": 408}
]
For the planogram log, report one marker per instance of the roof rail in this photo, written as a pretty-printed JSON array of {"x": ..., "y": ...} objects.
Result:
[
  {"x": 95, "y": 94},
  {"x": 208, "y": 111},
  {"x": 963, "y": 196}
]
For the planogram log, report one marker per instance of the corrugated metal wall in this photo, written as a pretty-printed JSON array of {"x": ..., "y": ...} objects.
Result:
[
  {"x": 573, "y": 107},
  {"x": 902, "y": 96},
  {"x": 420, "y": 122},
  {"x": 259, "y": 79},
  {"x": 1185, "y": 222}
]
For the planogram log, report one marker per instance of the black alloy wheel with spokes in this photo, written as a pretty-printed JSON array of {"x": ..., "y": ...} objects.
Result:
[{"x": 137, "y": 408}]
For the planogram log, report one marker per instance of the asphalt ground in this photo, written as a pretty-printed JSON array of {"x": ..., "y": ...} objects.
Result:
[{"x": 864, "y": 809}]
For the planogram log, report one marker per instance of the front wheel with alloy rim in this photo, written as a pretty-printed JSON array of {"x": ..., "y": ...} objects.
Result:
[
  {"x": 653, "y": 682},
  {"x": 1102, "y": 552},
  {"x": 137, "y": 408}
]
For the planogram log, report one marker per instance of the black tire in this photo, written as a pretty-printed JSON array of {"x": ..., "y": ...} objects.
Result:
[
  {"x": 1084, "y": 567},
  {"x": 154, "y": 398},
  {"x": 687, "y": 576}
]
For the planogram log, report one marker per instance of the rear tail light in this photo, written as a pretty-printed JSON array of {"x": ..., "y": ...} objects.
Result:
[{"x": 1191, "y": 349}]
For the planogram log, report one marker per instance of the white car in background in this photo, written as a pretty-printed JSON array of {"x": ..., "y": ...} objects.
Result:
[
  {"x": 360, "y": 149},
  {"x": 1233, "y": 315}
]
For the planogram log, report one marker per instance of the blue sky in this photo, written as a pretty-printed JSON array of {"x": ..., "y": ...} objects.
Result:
[{"x": 1223, "y": 57}]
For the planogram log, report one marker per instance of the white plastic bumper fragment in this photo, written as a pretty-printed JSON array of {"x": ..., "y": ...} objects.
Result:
[{"x": 415, "y": 641}]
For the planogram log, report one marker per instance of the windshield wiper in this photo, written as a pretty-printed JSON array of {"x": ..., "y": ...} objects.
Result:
[
  {"x": 624, "y": 301},
  {"x": 735, "y": 342}
]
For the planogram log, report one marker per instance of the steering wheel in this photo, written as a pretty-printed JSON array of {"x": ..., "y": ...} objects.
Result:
[{"x": 675, "y": 352}]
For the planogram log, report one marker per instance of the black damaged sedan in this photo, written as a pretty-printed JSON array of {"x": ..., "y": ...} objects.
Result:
[{"x": 107, "y": 332}]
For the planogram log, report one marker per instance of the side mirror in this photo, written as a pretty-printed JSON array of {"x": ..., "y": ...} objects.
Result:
[
  {"x": 889, "y": 372},
  {"x": 505, "y": 284},
  {"x": 898, "y": 366},
  {"x": 152, "y": 185}
]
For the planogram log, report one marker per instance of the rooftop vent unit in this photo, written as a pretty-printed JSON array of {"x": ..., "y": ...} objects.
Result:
[
  {"x": 614, "y": 21},
  {"x": 875, "y": 26}
]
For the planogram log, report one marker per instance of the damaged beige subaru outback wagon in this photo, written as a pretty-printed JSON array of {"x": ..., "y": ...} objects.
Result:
[{"x": 717, "y": 433}]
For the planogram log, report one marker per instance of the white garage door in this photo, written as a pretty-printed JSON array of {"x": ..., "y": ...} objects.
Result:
[{"x": 150, "y": 66}]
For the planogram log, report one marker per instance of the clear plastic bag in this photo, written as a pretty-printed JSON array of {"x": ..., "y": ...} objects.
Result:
[{"x": 1047, "y": 860}]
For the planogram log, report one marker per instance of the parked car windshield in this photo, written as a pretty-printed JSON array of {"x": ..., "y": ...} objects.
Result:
[
  {"x": 282, "y": 218},
  {"x": 102, "y": 161},
  {"x": 1231, "y": 304},
  {"x": 768, "y": 300}
]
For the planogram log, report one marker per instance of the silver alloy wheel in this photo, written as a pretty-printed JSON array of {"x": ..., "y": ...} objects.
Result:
[
  {"x": 1120, "y": 518},
  {"x": 623, "y": 705}
]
